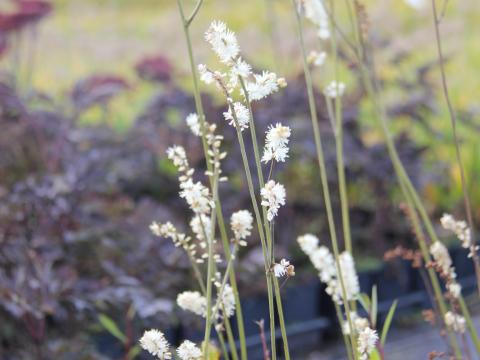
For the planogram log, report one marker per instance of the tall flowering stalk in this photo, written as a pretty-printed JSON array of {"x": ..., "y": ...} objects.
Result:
[
  {"x": 417, "y": 210},
  {"x": 239, "y": 79},
  {"x": 453, "y": 120},
  {"x": 186, "y": 22},
  {"x": 314, "y": 9}
]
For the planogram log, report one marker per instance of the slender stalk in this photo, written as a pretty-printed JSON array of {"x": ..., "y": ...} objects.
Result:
[
  {"x": 208, "y": 321},
  {"x": 470, "y": 325},
  {"x": 339, "y": 145},
  {"x": 281, "y": 318},
  {"x": 323, "y": 173},
  {"x": 218, "y": 208},
  {"x": 262, "y": 236},
  {"x": 258, "y": 164},
  {"x": 270, "y": 256},
  {"x": 453, "y": 120},
  {"x": 345, "y": 337}
]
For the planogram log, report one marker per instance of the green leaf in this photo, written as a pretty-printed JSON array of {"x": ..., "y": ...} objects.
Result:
[
  {"x": 374, "y": 309},
  {"x": 111, "y": 327},
  {"x": 364, "y": 301},
  {"x": 387, "y": 323}
]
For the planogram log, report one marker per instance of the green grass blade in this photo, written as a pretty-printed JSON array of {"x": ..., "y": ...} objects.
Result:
[{"x": 387, "y": 323}]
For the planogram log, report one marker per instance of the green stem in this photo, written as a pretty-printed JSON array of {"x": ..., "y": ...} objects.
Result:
[
  {"x": 218, "y": 207},
  {"x": 261, "y": 180},
  {"x": 281, "y": 318},
  {"x": 270, "y": 256},
  {"x": 323, "y": 173},
  {"x": 471, "y": 327},
  {"x": 453, "y": 120},
  {"x": 261, "y": 233}
]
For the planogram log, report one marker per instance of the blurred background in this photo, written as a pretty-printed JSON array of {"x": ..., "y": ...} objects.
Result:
[{"x": 92, "y": 92}]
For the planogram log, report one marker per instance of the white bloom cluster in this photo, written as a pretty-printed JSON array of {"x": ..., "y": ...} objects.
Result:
[
  {"x": 223, "y": 40},
  {"x": 334, "y": 89},
  {"x": 155, "y": 343},
  {"x": 225, "y": 45},
  {"x": 273, "y": 196},
  {"x": 461, "y": 230},
  {"x": 167, "y": 230},
  {"x": 189, "y": 351},
  {"x": 349, "y": 276},
  {"x": 241, "y": 224},
  {"x": 193, "y": 301},
  {"x": 315, "y": 11},
  {"x": 359, "y": 324},
  {"x": 240, "y": 115},
  {"x": 201, "y": 225},
  {"x": 179, "y": 157},
  {"x": 264, "y": 85},
  {"x": 455, "y": 322},
  {"x": 308, "y": 243},
  {"x": 276, "y": 143},
  {"x": 194, "y": 124},
  {"x": 323, "y": 260},
  {"x": 444, "y": 262},
  {"x": 197, "y": 196},
  {"x": 196, "y": 303},
  {"x": 316, "y": 59},
  {"x": 283, "y": 268},
  {"x": 228, "y": 301},
  {"x": 367, "y": 339}
]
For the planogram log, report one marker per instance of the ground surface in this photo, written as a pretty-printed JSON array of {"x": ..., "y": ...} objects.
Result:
[{"x": 403, "y": 344}]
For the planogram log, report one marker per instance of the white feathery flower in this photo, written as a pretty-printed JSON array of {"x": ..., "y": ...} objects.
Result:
[
  {"x": 359, "y": 324},
  {"x": 194, "y": 124},
  {"x": 323, "y": 260},
  {"x": 193, "y": 301},
  {"x": 223, "y": 41},
  {"x": 189, "y": 351},
  {"x": 281, "y": 268},
  {"x": 239, "y": 68},
  {"x": 178, "y": 155},
  {"x": 201, "y": 225},
  {"x": 205, "y": 75},
  {"x": 155, "y": 343},
  {"x": 334, "y": 89},
  {"x": 242, "y": 114},
  {"x": 316, "y": 59},
  {"x": 197, "y": 196},
  {"x": 315, "y": 12},
  {"x": 155, "y": 228},
  {"x": 228, "y": 301},
  {"x": 276, "y": 143},
  {"x": 241, "y": 224},
  {"x": 367, "y": 339},
  {"x": 460, "y": 229},
  {"x": 442, "y": 257},
  {"x": 308, "y": 243},
  {"x": 349, "y": 274},
  {"x": 455, "y": 322},
  {"x": 455, "y": 289},
  {"x": 273, "y": 196},
  {"x": 264, "y": 85}
]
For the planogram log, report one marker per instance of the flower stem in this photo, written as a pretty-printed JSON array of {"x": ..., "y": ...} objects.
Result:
[
  {"x": 218, "y": 207},
  {"x": 323, "y": 173},
  {"x": 270, "y": 256},
  {"x": 453, "y": 120}
]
